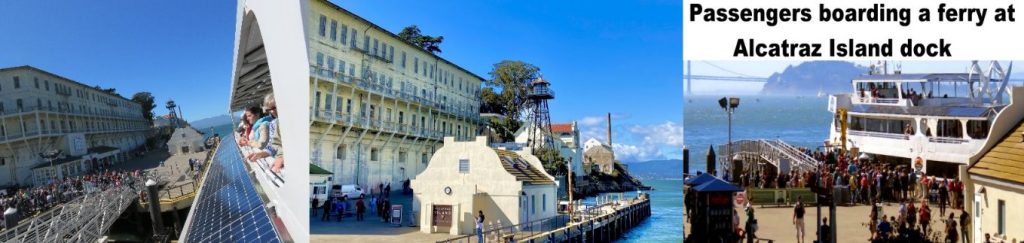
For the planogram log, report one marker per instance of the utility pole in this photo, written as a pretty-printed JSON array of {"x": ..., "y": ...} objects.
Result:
[{"x": 569, "y": 187}]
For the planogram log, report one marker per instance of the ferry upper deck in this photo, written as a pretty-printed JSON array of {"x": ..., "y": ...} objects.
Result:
[{"x": 939, "y": 119}]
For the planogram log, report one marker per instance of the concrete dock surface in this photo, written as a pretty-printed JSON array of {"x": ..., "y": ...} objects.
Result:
[{"x": 776, "y": 223}]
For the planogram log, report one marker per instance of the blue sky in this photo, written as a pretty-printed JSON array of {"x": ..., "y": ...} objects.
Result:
[
  {"x": 618, "y": 57},
  {"x": 173, "y": 49}
]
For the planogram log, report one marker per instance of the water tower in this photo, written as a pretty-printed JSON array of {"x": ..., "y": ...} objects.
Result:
[
  {"x": 173, "y": 117},
  {"x": 538, "y": 95}
]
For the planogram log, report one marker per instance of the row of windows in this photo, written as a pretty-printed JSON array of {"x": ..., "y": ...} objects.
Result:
[
  {"x": 382, "y": 50},
  {"x": 370, "y": 111},
  {"x": 379, "y": 78},
  {"x": 60, "y": 124},
  {"x": 65, "y": 107},
  {"x": 61, "y": 89},
  {"x": 341, "y": 152}
]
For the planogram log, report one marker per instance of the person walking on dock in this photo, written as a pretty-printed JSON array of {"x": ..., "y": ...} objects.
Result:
[
  {"x": 480, "y": 226},
  {"x": 825, "y": 232},
  {"x": 751, "y": 225},
  {"x": 313, "y": 205},
  {"x": 943, "y": 197},
  {"x": 327, "y": 210},
  {"x": 965, "y": 219},
  {"x": 360, "y": 209},
  {"x": 926, "y": 217},
  {"x": 798, "y": 219}
]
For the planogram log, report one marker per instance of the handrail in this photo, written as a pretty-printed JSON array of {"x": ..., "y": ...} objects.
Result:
[
  {"x": 769, "y": 150},
  {"x": 899, "y": 136},
  {"x": 83, "y": 219},
  {"x": 543, "y": 226}
]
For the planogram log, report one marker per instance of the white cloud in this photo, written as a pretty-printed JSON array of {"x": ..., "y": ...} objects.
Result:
[
  {"x": 631, "y": 153},
  {"x": 634, "y": 142},
  {"x": 591, "y": 121},
  {"x": 668, "y": 134}
]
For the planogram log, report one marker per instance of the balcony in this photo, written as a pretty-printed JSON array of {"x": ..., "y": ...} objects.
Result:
[
  {"x": 33, "y": 133},
  {"x": 379, "y": 89},
  {"x": 66, "y": 111},
  {"x": 376, "y": 125}
]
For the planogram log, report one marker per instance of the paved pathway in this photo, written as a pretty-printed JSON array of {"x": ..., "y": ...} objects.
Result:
[
  {"x": 175, "y": 169},
  {"x": 775, "y": 223},
  {"x": 371, "y": 229}
]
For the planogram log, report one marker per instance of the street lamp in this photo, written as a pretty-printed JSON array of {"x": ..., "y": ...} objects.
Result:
[{"x": 729, "y": 104}]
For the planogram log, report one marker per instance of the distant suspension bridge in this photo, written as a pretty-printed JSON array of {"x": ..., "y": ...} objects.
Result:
[{"x": 740, "y": 77}]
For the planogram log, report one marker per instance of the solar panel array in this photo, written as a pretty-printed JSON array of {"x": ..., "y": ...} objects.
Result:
[{"x": 228, "y": 208}]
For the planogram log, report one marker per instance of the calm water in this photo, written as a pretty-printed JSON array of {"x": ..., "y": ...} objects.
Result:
[
  {"x": 800, "y": 121},
  {"x": 223, "y": 130},
  {"x": 666, "y": 221}
]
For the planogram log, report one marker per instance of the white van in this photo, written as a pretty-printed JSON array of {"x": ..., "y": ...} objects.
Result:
[{"x": 350, "y": 191}]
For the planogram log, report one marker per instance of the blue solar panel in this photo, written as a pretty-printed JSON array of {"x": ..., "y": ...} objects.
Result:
[{"x": 228, "y": 208}]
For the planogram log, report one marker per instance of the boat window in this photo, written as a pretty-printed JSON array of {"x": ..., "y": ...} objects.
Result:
[
  {"x": 894, "y": 126},
  {"x": 977, "y": 129},
  {"x": 950, "y": 129}
]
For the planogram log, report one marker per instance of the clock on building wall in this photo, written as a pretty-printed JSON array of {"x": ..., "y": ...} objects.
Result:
[{"x": 448, "y": 190}]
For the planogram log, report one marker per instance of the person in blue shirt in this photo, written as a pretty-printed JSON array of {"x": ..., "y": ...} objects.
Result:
[{"x": 885, "y": 228}]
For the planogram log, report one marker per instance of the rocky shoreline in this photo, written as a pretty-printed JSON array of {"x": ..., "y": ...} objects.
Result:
[{"x": 621, "y": 181}]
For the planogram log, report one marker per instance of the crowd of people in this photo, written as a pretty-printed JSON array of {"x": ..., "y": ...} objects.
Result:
[
  {"x": 864, "y": 181},
  {"x": 869, "y": 182},
  {"x": 340, "y": 206},
  {"x": 34, "y": 200},
  {"x": 260, "y": 131}
]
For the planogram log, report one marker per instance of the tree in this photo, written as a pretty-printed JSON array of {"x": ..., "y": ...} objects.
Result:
[
  {"x": 428, "y": 43},
  {"x": 505, "y": 127},
  {"x": 513, "y": 79},
  {"x": 506, "y": 93},
  {"x": 553, "y": 162},
  {"x": 145, "y": 100}
]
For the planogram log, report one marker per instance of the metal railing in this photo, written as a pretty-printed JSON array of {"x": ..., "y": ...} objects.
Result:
[
  {"x": 380, "y": 89},
  {"x": 263, "y": 167},
  {"x": 899, "y": 136},
  {"x": 377, "y": 124},
  {"x": 496, "y": 232},
  {"x": 948, "y": 140},
  {"x": 772, "y": 151},
  {"x": 67, "y": 111},
  {"x": 84, "y": 219}
]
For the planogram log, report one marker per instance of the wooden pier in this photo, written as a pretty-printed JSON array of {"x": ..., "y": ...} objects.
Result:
[{"x": 606, "y": 227}]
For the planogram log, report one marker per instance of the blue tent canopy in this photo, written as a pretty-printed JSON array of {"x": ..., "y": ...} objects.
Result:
[
  {"x": 717, "y": 185},
  {"x": 701, "y": 179}
]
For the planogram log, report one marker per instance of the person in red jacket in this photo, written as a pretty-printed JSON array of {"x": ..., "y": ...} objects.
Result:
[
  {"x": 360, "y": 209},
  {"x": 925, "y": 216}
]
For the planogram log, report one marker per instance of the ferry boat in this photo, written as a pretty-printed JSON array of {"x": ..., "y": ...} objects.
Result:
[{"x": 931, "y": 122}]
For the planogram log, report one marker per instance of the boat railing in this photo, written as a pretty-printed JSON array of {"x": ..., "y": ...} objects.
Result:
[
  {"x": 899, "y": 136},
  {"x": 263, "y": 166},
  {"x": 947, "y": 140}
]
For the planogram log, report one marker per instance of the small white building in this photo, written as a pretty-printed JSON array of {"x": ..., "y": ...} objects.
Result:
[
  {"x": 319, "y": 182},
  {"x": 185, "y": 140},
  {"x": 566, "y": 137},
  {"x": 464, "y": 178},
  {"x": 592, "y": 142}
]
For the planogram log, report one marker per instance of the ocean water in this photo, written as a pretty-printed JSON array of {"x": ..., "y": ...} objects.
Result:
[
  {"x": 223, "y": 130},
  {"x": 800, "y": 121},
  {"x": 666, "y": 221}
]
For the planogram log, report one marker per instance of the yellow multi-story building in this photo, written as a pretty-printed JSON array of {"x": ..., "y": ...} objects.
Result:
[
  {"x": 41, "y": 112},
  {"x": 380, "y": 105}
]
